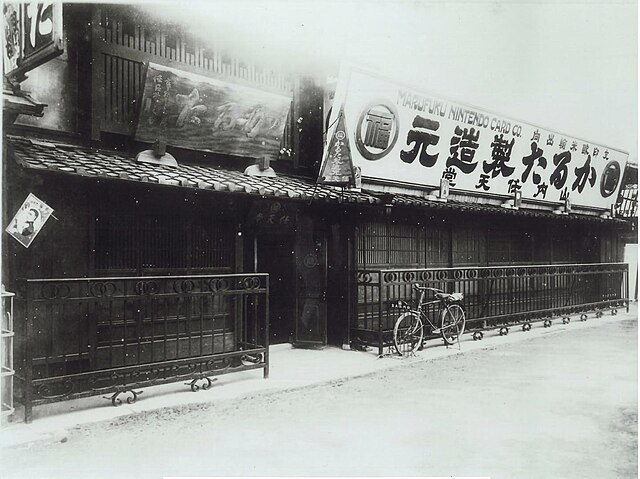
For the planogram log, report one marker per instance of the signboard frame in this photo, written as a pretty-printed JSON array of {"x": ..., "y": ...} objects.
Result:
[
  {"x": 41, "y": 53},
  {"x": 203, "y": 113}
]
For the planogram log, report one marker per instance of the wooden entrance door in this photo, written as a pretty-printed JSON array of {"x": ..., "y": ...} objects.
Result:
[
  {"x": 275, "y": 255},
  {"x": 310, "y": 326}
]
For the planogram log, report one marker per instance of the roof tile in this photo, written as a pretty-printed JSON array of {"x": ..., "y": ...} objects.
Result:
[{"x": 95, "y": 163}]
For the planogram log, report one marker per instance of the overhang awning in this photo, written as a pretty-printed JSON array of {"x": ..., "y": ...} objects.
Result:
[
  {"x": 103, "y": 164},
  {"x": 114, "y": 165},
  {"x": 20, "y": 103}
]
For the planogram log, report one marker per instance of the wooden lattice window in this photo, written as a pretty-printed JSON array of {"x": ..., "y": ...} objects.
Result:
[
  {"x": 373, "y": 244},
  {"x": 511, "y": 246},
  {"x": 499, "y": 246},
  {"x": 437, "y": 246},
  {"x": 403, "y": 244},
  {"x": 564, "y": 250},
  {"x": 137, "y": 243},
  {"x": 469, "y": 245}
]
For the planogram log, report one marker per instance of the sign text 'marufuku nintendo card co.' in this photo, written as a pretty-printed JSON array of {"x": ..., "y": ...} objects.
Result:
[{"x": 411, "y": 137}]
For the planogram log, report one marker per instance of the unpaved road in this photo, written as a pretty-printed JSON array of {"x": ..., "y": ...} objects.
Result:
[{"x": 563, "y": 405}]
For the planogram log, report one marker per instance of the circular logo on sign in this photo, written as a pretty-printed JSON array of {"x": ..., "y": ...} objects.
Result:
[
  {"x": 377, "y": 130},
  {"x": 610, "y": 179},
  {"x": 275, "y": 207},
  {"x": 310, "y": 261},
  {"x": 340, "y": 135}
]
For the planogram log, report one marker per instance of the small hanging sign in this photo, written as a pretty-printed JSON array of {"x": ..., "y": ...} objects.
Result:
[
  {"x": 273, "y": 215},
  {"x": 29, "y": 220},
  {"x": 337, "y": 167}
]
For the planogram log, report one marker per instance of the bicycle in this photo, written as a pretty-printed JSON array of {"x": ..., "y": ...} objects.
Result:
[{"x": 408, "y": 332}]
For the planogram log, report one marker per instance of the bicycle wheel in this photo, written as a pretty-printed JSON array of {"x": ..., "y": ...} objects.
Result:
[
  {"x": 452, "y": 323},
  {"x": 407, "y": 333}
]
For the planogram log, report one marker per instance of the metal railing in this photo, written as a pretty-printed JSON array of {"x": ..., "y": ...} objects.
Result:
[
  {"x": 493, "y": 296},
  {"x": 83, "y": 337}
]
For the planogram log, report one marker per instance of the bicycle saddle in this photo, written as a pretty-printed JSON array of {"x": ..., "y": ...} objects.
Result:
[{"x": 450, "y": 297}]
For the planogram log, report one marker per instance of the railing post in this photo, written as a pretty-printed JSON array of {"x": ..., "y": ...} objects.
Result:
[
  {"x": 380, "y": 332},
  {"x": 266, "y": 328},
  {"x": 625, "y": 275},
  {"x": 27, "y": 391}
]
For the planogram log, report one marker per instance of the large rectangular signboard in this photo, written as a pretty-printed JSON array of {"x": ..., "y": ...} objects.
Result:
[
  {"x": 406, "y": 136},
  {"x": 202, "y": 113}
]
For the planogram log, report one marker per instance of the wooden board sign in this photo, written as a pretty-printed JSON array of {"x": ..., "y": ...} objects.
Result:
[
  {"x": 201, "y": 113},
  {"x": 32, "y": 36}
]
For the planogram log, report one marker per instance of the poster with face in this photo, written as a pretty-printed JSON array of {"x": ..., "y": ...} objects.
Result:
[{"x": 29, "y": 220}]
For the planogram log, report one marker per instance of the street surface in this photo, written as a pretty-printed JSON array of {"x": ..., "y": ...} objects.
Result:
[{"x": 562, "y": 405}]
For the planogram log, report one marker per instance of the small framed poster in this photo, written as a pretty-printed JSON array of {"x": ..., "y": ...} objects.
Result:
[{"x": 29, "y": 220}]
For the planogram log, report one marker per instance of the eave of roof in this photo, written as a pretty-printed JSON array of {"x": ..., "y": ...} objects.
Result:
[
  {"x": 21, "y": 103},
  {"x": 115, "y": 165}
]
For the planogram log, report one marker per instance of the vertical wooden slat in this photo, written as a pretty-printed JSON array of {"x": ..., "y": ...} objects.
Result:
[
  {"x": 117, "y": 85},
  {"x": 125, "y": 89},
  {"x": 114, "y": 88},
  {"x": 109, "y": 29},
  {"x": 142, "y": 39},
  {"x": 107, "y": 88}
]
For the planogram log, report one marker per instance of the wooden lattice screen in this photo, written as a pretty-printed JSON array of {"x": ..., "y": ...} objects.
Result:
[
  {"x": 152, "y": 243},
  {"x": 396, "y": 244}
]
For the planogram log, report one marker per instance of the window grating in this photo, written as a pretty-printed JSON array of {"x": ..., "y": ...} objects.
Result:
[
  {"x": 403, "y": 244},
  {"x": 159, "y": 242}
]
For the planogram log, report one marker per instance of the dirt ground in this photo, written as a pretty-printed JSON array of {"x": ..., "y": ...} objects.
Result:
[{"x": 563, "y": 405}]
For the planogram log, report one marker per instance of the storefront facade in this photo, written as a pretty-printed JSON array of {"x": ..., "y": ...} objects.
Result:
[{"x": 128, "y": 229}]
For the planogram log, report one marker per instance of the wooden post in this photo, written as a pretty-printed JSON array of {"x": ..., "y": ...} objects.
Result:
[{"x": 97, "y": 75}]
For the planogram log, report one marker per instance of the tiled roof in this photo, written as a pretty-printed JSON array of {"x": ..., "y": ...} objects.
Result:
[
  {"x": 94, "y": 163},
  {"x": 122, "y": 166}
]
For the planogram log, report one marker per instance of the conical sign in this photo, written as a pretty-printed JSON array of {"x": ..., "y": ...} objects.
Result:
[{"x": 337, "y": 167}]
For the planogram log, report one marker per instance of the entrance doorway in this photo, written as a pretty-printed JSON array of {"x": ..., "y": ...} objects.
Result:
[
  {"x": 296, "y": 261},
  {"x": 310, "y": 327},
  {"x": 276, "y": 256}
]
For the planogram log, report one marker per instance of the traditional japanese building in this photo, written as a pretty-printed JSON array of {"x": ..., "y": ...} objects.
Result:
[{"x": 170, "y": 177}]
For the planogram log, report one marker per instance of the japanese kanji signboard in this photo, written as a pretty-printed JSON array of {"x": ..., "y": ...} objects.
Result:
[
  {"x": 32, "y": 35},
  {"x": 197, "y": 112},
  {"x": 411, "y": 137}
]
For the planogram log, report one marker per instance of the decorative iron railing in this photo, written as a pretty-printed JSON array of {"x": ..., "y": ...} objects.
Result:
[
  {"x": 494, "y": 296},
  {"x": 83, "y": 337}
]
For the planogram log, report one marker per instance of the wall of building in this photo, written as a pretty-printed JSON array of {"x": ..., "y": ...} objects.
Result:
[
  {"x": 113, "y": 228},
  {"x": 458, "y": 239},
  {"x": 62, "y": 247}
]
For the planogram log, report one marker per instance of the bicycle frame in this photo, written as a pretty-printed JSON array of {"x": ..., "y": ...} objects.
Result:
[
  {"x": 420, "y": 310},
  {"x": 409, "y": 328}
]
